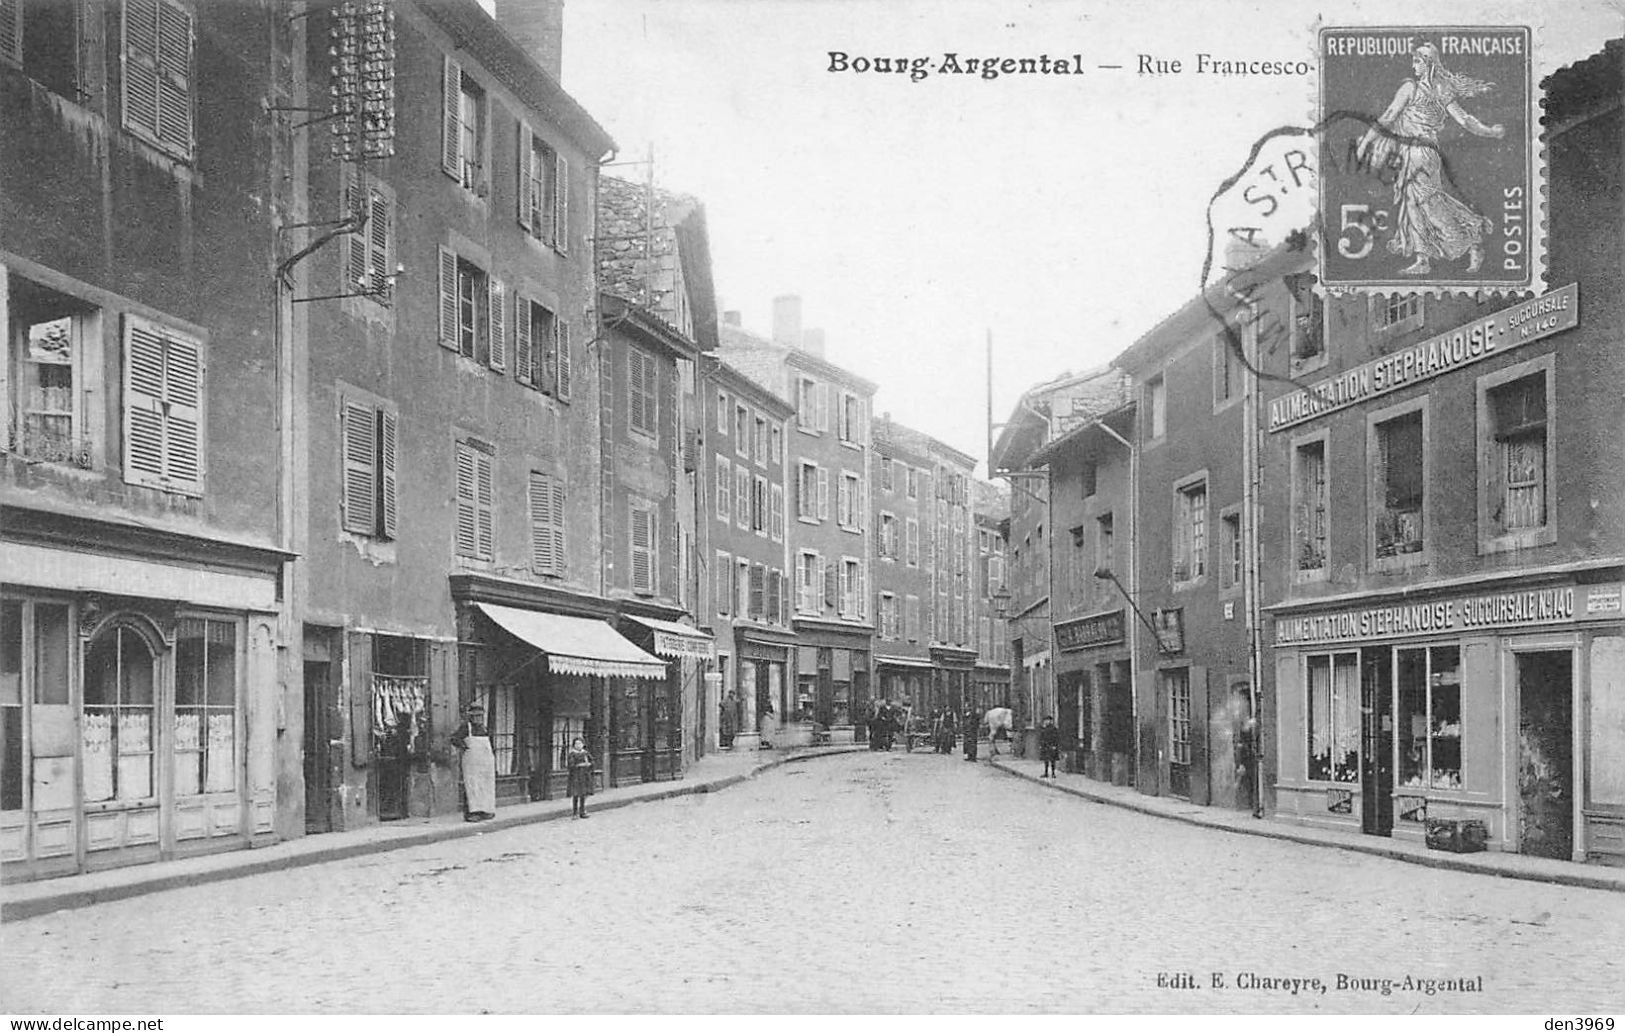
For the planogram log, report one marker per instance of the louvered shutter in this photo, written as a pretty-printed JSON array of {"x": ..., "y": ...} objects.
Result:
[
  {"x": 183, "y": 432},
  {"x": 823, "y": 494},
  {"x": 560, "y": 553},
  {"x": 523, "y": 371},
  {"x": 360, "y": 461},
  {"x": 451, "y": 120},
  {"x": 775, "y": 595},
  {"x": 635, "y": 375},
  {"x": 139, "y": 58},
  {"x": 467, "y": 517},
  {"x": 484, "y": 499},
  {"x": 499, "y": 326},
  {"x": 355, "y": 251},
  {"x": 448, "y": 299},
  {"x": 11, "y": 30},
  {"x": 175, "y": 76},
  {"x": 758, "y": 590},
  {"x": 861, "y": 590},
  {"x": 642, "y": 543},
  {"x": 143, "y": 403},
  {"x": 541, "y": 524},
  {"x": 844, "y": 589},
  {"x": 561, "y": 203},
  {"x": 561, "y": 331},
  {"x": 742, "y": 497},
  {"x": 523, "y": 191},
  {"x": 776, "y": 514},
  {"x": 388, "y": 449},
  {"x": 844, "y": 503},
  {"x": 378, "y": 245},
  {"x": 831, "y": 595}
]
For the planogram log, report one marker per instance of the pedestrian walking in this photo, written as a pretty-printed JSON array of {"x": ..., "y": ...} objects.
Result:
[
  {"x": 479, "y": 765},
  {"x": 970, "y": 725},
  {"x": 945, "y": 732},
  {"x": 579, "y": 762},
  {"x": 1049, "y": 747},
  {"x": 728, "y": 720}
]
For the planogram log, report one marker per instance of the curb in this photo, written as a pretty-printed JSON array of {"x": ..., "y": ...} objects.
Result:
[
  {"x": 1273, "y": 831},
  {"x": 69, "y": 898}
]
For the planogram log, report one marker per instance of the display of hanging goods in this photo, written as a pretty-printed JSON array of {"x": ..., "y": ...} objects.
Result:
[{"x": 362, "y": 80}]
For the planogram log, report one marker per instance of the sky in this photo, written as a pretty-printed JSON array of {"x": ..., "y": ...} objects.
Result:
[{"x": 1061, "y": 215}]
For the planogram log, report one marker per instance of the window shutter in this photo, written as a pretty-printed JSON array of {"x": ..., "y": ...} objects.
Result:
[
  {"x": 775, "y": 595},
  {"x": 359, "y": 441},
  {"x": 183, "y": 400},
  {"x": 642, "y": 539},
  {"x": 498, "y": 322},
  {"x": 823, "y": 494},
  {"x": 483, "y": 501},
  {"x": 635, "y": 374},
  {"x": 11, "y": 30},
  {"x": 861, "y": 591},
  {"x": 448, "y": 299},
  {"x": 845, "y": 589},
  {"x": 388, "y": 436},
  {"x": 143, "y": 404},
  {"x": 140, "y": 66},
  {"x": 175, "y": 75},
  {"x": 742, "y": 496},
  {"x": 758, "y": 590},
  {"x": 843, "y": 502},
  {"x": 561, "y": 203},
  {"x": 522, "y": 369},
  {"x": 560, "y": 556},
  {"x": 541, "y": 524},
  {"x": 831, "y": 596},
  {"x": 378, "y": 244},
  {"x": 467, "y": 508},
  {"x": 355, "y": 251},
  {"x": 451, "y": 124},
  {"x": 523, "y": 192},
  {"x": 776, "y": 515},
  {"x": 561, "y": 347}
]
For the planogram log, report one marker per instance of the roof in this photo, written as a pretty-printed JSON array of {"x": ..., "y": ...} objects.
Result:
[
  {"x": 635, "y": 320},
  {"x": 1085, "y": 432},
  {"x": 990, "y": 500},
  {"x": 736, "y": 339},
  {"x": 647, "y": 235},
  {"x": 730, "y": 376},
  {"x": 1053, "y": 407}
]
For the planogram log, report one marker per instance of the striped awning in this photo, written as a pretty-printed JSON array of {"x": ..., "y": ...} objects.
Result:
[
  {"x": 673, "y": 639},
  {"x": 576, "y": 645}
]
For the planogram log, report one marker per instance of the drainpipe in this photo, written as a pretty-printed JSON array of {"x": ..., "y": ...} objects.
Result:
[{"x": 1249, "y": 555}]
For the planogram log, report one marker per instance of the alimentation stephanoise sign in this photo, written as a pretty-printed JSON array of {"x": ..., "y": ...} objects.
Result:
[
  {"x": 1490, "y": 611},
  {"x": 1495, "y": 334}
]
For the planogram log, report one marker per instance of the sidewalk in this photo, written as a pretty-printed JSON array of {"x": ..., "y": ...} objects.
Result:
[
  {"x": 1489, "y": 862},
  {"x": 710, "y": 773}
]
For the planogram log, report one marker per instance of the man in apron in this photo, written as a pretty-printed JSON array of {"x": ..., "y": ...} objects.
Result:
[{"x": 479, "y": 765}]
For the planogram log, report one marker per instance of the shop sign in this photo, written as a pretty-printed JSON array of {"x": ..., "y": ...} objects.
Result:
[
  {"x": 1102, "y": 629},
  {"x": 1171, "y": 631},
  {"x": 669, "y": 644},
  {"x": 1495, "y": 334},
  {"x": 1464, "y": 614}
]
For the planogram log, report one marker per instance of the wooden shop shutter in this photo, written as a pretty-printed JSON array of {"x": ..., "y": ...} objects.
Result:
[
  {"x": 451, "y": 123},
  {"x": 498, "y": 309},
  {"x": 642, "y": 549},
  {"x": 523, "y": 370},
  {"x": 561, "y": 202},
  {"x": 359, "y": 649},
  {"x": 359, "y": 438},
  {"x": 163, "y": 408},
  {"x": 448, "y": 299}
]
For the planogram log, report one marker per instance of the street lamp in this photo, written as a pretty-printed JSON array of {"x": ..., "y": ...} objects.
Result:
[{"x": 1001, "y": 602}]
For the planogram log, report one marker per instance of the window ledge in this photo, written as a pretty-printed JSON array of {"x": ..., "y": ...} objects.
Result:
[{"x": 1517, "y": 540}]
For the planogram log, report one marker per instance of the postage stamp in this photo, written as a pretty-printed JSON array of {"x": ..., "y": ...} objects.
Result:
[{"x": 1430, "y": 159}]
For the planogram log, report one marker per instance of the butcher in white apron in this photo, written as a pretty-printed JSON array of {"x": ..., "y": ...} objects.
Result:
[{"x": 479, "y": 766}]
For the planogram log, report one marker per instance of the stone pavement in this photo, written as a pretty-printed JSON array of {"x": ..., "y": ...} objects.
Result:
[
  {"x": 1489, "y": 862},
  {"x": 862, "y": 883},
  {"x": 712, "y": 772}
]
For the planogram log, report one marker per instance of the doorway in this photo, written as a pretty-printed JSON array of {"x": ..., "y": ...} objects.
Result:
[
  {"x": 1377, "y": 741},
  {"x": 318, "y": 818},
  {"x": 1546, "y": 753}
]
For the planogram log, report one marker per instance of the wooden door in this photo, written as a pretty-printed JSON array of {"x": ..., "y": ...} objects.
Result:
[{"x": 1546, "y": 754}]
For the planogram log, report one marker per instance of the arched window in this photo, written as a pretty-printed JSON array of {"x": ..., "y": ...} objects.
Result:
[{"x": 118, "y": 717}]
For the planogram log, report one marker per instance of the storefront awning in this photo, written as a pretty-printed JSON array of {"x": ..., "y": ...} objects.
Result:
[
  {"x": 672, "y": 639},
  {"x": 902, "y": 661},
  {"x": 576, "y": 645}
]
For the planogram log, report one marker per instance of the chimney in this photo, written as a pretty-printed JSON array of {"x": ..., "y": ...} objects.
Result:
[
  {"x": 730, "y": 317},
  {"x": 787, "y": 320},
  {"x": 812, "y": 342},
  {"x": 538, "y": 26}
]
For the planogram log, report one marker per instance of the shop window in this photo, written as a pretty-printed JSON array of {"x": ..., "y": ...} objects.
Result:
[
  {"x": 476, "y": 529},
  {"x": 1190, "y": 532},
  {"x": 1398, "y": 483},
  {"x": 1429, "y": 717},
  {"x": 1333, "y": 724},
  {"x": 566, "y": 730},
  {"x": 1518, "y": 457},
  {"x": 49, "y": 341},
  {"x": 117, "y": 726},
  {"x": 11, "y": 705},
  {"x": 205, "y": 707},
  {"x": 156, "y": 52},
  {"x": 1309, "y": 509}
]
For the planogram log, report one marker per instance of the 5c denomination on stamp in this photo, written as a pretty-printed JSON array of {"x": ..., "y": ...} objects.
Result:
[{"x": 1429, "y": 159}]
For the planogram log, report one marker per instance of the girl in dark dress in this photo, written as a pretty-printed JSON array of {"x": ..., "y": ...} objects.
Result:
[
  {"x": 579, "y": 761},
  {"x": 1049, "y": 747}
]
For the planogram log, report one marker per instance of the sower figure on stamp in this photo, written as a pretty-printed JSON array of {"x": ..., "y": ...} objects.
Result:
[{"x": 1430, "y": 222}]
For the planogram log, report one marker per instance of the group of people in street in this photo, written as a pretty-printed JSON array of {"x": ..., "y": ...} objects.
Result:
[
  {"x": 479, "y": 768},
  {"x": 884, "y": 722}
]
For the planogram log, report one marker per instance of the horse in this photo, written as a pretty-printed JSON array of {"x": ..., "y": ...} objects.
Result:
[{"x": 998, "y": 719}]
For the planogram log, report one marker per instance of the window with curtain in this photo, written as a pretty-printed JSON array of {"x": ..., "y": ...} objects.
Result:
[
  {"x": 205, "y": 729},
  {"x": 1333, "y": 724}
]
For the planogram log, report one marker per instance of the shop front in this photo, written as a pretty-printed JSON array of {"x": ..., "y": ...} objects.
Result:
[
  {"x": 1094, "y": 697},
  {"x": 764, "y": 691},
  {"x": 1502, "y": 705},
  {"x": 832, "y": 677},
  {"x": 953, "y": 683},
  {"x": 665, "y": 709},
  {"x": 905, "y": 681}
]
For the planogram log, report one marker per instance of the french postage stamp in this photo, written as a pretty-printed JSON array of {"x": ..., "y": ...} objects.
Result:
[{"x": 1430, "y": 159}]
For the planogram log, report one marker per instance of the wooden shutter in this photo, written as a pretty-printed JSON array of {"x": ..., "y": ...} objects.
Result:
[
  {"x": 560, "y": 553},
  {"x": 11, "y": 31},
  {"x": 642, "y": 550},
  {"x": 844, "y": 589},
  {"x": 388, "y": 449},
  {"x": 776, "y": 513},
  {"x": 742, "y": 496},
  {"x": 378, "y": 244},
  {"x": 561, "y": 347},
  {"x": 183, "y": 399},
  {"x": 542, "y": 556},
  {"x": 448, "y": 299},
  {"x": 823, "y": 493},
  {"x": 175, "y": 76},
  {"x": 523, "y": 193},
  {"x": 359, "y": 440},
  {"x": 561, "y": 202},
  {"x": 467, "y": 509},
  {"x": 451, "y": 120},
  {"x": 523, "y": 370},
  {"x": 831, "y": 594},
  {"x": 844, "y": 502},
  {"x": 775, "y": 595},
  {"x": 498, "y": 322},
  {"x": 483, "y": 500},
  {"x": 758, "y": 590},
  {"x": 355, "y": 249},
  {"x": 139, "y": 60},
  {"x": 635, "y": 376},
  {"x": 163, "y": 410}
]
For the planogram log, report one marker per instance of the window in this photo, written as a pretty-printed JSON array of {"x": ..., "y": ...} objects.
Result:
[
  {"x": 849, "y": 502},
  {"x": 823, "y": 494},
  {"x": 117, "y": 724},
  {"x": 1190, "y": 532},
  {"x": 1398, "y": 484},
  {"x": 1308, "y": 324},
  {"x": 544, "y": 190},
  {"x": 742, "y": 497},
  {"x": 1230, "y": 550},
  {"x": 1334, "y": 717},
  {"x": 645, "y": 532},
  {"x": 853, "y": 602},
  {"x": 1179, "y": 715},
  {"x": 724, "y": 583},
  {"x": 1516, "y": 457},
  {"x": 911, "y": 478},
  {"x": 42, "y": 679},
  {"x": 742, "y": 601},
  {"x": 724, "y": 407},
  {"x": 475, "y": 527},
  {"x": 1087, "y": 476},
  {"x": 888, "y": 615},
  {"x": 541, "y": 348},
  {"x": 886, "y": 482},
  {"x": 1226, "y": 369},
  {"x": 1396, "y": 312},
  {"x": 742, "y": 431},
  {"x": 911, "y": 617},
  {"x": 807, "y": 491},
  {"x": 163, "y": 408},
  {"x": 851, "y": 418},
  {"x": 888, "y": 537},
  {"x": 759, "y": 441},
  {"x": 43, "y": 357},
  {"x": 809, "y": 405},
  {"x": 367, "y": 267},
  {"x": 368, "y": 443},
  {"x": 643, "y": 401},
  {"x": 809, "y": 581},
  {"x": 467, "y": 324},
  {"x": 1156, "y": 407},
  {"x": 205, "y": 734},
  {"x": 1104, "y": 544},
  {"x": 156, "y": 52},
  {"x": 776, "y": 444},
  {"x": 547, "y": 550},
  {"x": 1309, "y": 508},
  {"x": 724, "y": 490},
  {"x": 911, "y": 528},
  {"x": 758, "y": 591},
  {"x": 462, "y": 141},
  {"x": 759, "y": 506},
  {"x": 775, "y": 519},
  {"x": 43, "y": 39},
  {"x": 1429, "y": 717}
]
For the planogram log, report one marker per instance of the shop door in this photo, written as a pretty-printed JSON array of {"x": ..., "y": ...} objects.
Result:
[
  {"x": 1376, "y": 742},
  {"x": 1069, "y": 708},
  {"x": 1546, "y": 754},
  {"x": 317, "y": 787}
]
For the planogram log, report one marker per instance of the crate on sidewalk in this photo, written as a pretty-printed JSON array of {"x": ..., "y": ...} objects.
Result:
[{"x": 1457, "y": 835}]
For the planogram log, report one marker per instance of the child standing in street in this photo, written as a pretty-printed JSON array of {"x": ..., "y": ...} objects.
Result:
[
  {"x": 1049, "y": 746},
  {"x": 579, "y": 761}
]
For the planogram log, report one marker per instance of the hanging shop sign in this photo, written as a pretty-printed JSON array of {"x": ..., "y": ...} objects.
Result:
[
  {"x": 668, "y": 644},
  {"x": 1170, "y": 626},
  {"x": 1101, "y": 629},
  {"x": 1463, "y": 614},
  {"x": 1495, "y": 334}
]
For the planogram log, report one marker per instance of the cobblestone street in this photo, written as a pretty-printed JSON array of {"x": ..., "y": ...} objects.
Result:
[{"x": 860, "y": 883}]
